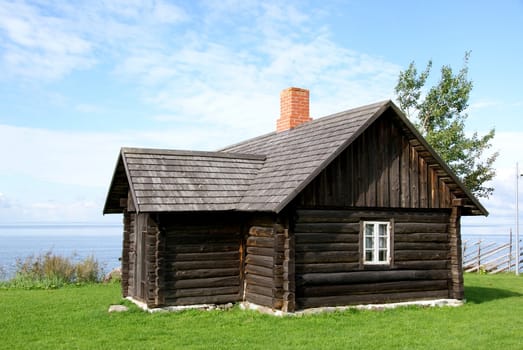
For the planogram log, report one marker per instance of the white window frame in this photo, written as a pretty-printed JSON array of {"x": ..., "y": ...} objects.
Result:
[{"x": 375, "y": 248}]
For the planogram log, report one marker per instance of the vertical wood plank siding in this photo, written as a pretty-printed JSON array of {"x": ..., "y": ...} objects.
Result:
[
  {"x": 202, "y": 259},
  {"x": 382, "y": 169},
  {"x": 327, "y": 255}
]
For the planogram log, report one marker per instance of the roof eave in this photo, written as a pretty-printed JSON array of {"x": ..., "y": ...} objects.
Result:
[
  {"x": 481, "y": 210},
  {"x": 106, "y": 209}
]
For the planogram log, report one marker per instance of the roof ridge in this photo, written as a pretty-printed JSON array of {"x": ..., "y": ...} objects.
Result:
[
  {"x": 210, "y": 154},
  {"x": 307, "y": 124}
]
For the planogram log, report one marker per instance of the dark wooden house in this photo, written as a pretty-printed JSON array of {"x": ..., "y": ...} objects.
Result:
[{"x": 352, "y": 208}]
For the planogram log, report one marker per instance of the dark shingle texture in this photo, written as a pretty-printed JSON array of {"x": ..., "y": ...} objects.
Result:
[
  {"x": 296, "y": 156},
  {"x": 164, "y": 180},
  {"x": 260, "y": 174}
]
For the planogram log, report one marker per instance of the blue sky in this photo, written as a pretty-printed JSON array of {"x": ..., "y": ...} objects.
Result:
[{"x": 80, "y": 79}]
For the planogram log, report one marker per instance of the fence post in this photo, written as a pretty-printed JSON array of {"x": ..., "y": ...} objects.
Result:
[
  {"x": 510, "y": 250},
  {"x": 479, "y": 256}
]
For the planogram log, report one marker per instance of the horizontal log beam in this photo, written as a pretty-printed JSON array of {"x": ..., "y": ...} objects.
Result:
[
  {"x": 259, "y": 260},
  {"x": 421, "y": 237},
  {"x": 326, "y": 267},
  {"x": 206, "y": 273},
  {"x": 304, "y": 238},
  {"x": 422, "y": 265},
  {"x": 420, "y": 246},
  {"x": 205, "y": 282},
  {"x": 260, "y": 251},
  {"x": 258, "y": 270},
  {"x": 258, "y": 299},
  {"x": 314, "y": 279},
  {"x": 201, "y": 264},
  {"x": 404, "y": 255},
  {"x": 326, "y": 247},
  {"x": 203, "y": 247},
  {"x": 259, "y": 290},
  {"x": 262, "y": 242},
  {"x": 260, "y": 231},
  {"x": 372, "y": 288},
  {"x": 197, "y": 292},
  {"x": 417, "y": 227},
  {"x": 408, "y": 215},
  {"x": 195, "y": 238},
  {"x": 328, "y": 227},
  {"x": 369, "y": 298},
  {"x": 206, "y": 256},
  {"x": 260, "y": 280},
  {"x": 326, "y": 257},
  {"x": 209, "y": 299}
]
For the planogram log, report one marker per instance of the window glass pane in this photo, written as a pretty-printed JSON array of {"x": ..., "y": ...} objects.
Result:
[
  {"x": 383, "y": 242},
  {"x": 376, "y": 242},
  {"x": 368, "y": 255},
  {"x": 369, "y": 229},
  {"x": 383, "y": 255}
]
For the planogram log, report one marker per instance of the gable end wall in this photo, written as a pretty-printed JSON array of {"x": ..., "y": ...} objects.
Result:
[{"x": 379, "y": 169}]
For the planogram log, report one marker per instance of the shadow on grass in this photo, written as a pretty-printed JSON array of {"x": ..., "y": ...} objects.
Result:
[{"x": 480, "y": 295}]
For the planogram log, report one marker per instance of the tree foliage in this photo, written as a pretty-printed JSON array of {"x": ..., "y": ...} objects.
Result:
[{"x": 440, "y": 115}]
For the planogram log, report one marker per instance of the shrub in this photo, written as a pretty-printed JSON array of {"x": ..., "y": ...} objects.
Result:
[
  {"x": 49, "y": 271},
  {"x": 88, "y": 270}
]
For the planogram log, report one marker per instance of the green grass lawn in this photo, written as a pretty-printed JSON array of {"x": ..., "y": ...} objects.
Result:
[{"x": 77, "y": 317}]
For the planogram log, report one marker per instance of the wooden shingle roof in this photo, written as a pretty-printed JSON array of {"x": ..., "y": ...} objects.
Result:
[
  {"x": 296, "y": 156},
  {"x": 167, "y": 180},
  {"x": 261, "y": 174}
]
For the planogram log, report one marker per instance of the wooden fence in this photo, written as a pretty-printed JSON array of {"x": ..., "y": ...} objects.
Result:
[{"x": 490, "y": 257}]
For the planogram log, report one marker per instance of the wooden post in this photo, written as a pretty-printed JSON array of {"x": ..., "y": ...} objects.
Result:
[
  {"x": 278, "y": 258},
  {"x": 289, "y": 284},
  {"x": 160, "y": 264},
  {"x": 125, "y": 252},
  {"x": 478, "y": 263},
  {"x": 456, "y": 290}
]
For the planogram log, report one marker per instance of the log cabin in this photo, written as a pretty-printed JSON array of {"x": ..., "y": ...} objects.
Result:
[{"x": 352, "y": 208}]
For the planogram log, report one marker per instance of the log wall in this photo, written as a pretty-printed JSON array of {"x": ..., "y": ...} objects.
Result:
[
  {"x": 329, "y": 266},
  {"x": 202, "y": 259},
  {"x": 269, "y": 279}
]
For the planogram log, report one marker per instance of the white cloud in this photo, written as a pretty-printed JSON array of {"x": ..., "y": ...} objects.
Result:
[
  {"x": 480, "y": 104},
  {"x": 4, "y": 201},
  {"x": 168, "y": 13},
  {"x": 87, "y": 158},
  {"x": 48, "y": 41},
  {"x": 40, "y": 45},
  {"x": 209, "y": 81},
  {"x": 64, "y": 175}
]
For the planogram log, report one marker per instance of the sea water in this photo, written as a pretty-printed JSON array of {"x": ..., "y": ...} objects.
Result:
[
  {"x": 17, "y": 242},
  {"x": 104, "y": 242}
]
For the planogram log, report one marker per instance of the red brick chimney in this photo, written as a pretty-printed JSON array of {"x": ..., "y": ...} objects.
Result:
[{"x": 294, "y": 108}]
